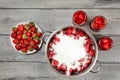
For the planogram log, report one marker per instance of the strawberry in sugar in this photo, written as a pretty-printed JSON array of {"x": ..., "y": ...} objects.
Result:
[{"x": 71, "y": 51}]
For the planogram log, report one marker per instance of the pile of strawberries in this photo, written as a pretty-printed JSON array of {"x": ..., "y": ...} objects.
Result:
[
  {"x": 89, "y": 47},
  {"x": 26, "y": 37}
]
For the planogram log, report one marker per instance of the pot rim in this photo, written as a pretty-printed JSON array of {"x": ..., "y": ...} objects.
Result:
[{"x": 94, "y": 60}]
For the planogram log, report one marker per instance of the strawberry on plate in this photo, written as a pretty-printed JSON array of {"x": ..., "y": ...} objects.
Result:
[{"x": 26, "y": 37}]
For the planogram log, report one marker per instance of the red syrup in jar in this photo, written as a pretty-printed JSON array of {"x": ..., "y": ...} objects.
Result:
[
  {"x": 79, "y": 17},
  {"x": 98, "y": 23},
  {"x": 105, "y": 43}
]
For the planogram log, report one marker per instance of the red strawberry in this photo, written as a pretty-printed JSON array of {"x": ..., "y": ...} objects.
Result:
[
  {"x": 51, "y": 54},
  {"x": 25, "y": 31},
  {"x": 32, "y": 43},
  {"x": 63, "y": 67},
  {"x": 26, "y": 42},
  {"x": 13, "y": 35},
  {"x": 29, "y": 34},
  {"x": 14, "y": 29},
  {"x": 56, "y": 39},
  {"x": 30, "y": 48},
  {"x": 37, "y": 40},
  {"x": 22, "y": 41},
  {"x": 89, "y": 61},
  {"x": 36, "y": 47},
  {"x": 81, "y": 60},
  {"x": 33, "y": 29},
  {"x": 81, "y": 33},
  {"x": 18, "y": 47},
  {"x": 24, "y": 50},
  {"x": 39, "y": 34},
  {"x": 19, "y": 32},
  {"x": 29, "y": 39},
  {"x": 15, "y": 41},
  {"x": 55, "y": 63},
  {"x": 19, "y": 37},
  {"x": 92, "y": 52},
  {"x": 34, "y": 35},
  {"x": 21, "y": 27},
  {"x": 70, "y": 71},
  {"x": 88, "y": 41},
  {"x": 87, "y": 47},
  {"x": 23, "y": 45},
  {"x": 31, "y": 24},
  {"x": 86, "y": 66},
  {"x": 69, "y": 31}
]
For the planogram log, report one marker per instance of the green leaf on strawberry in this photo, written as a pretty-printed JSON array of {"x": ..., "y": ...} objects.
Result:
[
  {"x": 24, "y": 36},
  {"x": 32, "y": 23},
  {"x": 27, "y": 27},
  {"x": 30, "y": 48}
]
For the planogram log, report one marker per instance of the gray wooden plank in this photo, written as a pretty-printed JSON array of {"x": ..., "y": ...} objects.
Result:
[
  {"x": 53, "y": 19},
  {"x": 38, "y": 71},
  {"x": 60, "y": 4},
  {"x": 7, "y": 52}
]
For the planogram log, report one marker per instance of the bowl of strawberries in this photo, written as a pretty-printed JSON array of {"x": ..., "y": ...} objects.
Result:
[
  {"x": 26, "y": 37},
  {"x": 72, "y": 51}
]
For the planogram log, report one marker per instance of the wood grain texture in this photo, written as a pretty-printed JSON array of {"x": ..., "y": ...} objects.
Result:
[
  {"x": 42, "y": 71},
  {"x": 8, "y": 53},
  {"x": 54, "y": 19},
  {"x": 60, "y": 4}
]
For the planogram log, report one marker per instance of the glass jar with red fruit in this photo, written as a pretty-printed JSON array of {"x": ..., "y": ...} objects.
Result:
[
  {"x": 98, "y": 23},
  {"x": 105, "y": 43},
  {"x": 79, "y": 17}
]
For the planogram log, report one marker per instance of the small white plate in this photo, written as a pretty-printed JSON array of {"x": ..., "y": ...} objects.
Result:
[{"x": 28, "y": 52}]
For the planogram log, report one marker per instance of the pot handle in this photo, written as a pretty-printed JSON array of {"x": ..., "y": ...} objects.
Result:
[
  {"x": 98, "y": 69},
  {"x": 45, "y": 34}
]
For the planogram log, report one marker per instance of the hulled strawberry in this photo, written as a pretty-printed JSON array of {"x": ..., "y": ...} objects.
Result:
[
  {"x": 55, "y": 63},
  {"x": 92, "y": 52}
]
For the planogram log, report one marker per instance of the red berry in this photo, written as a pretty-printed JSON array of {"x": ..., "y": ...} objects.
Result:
[
  {"x": 15, "y": 41},
  {"x": 33, "y": 29},
  {"x": 81, "y": 60},
  {"x": 69, "y": 31},
  {"x": 37, "y": 42},
  {"x": 13, "y": 35},
  {"x": 30, "y": 48},
  {"x": 19, "y": 37},
  {"x": 70, "y": 71},
  {"x": 24, "y": 50},
  {"x": 22, "y": 41},
  {"x": 63, "y": 67},
  {"x": 56, "y": 39},
  {"x": 89, "y": 61},
  {"x": 15, "y": 29},
  {"x": 51, "y": 54},
  {"x": 26, "y": 42},
  {"x": 36, "y": 47},
  {"x": 23, "y": 45},
  {"x": 55, "y": 63},
  {"x": 92, "y": 52},
  {"x": 79, "y": 17},
  {"x": 19, "y": 33},
  {"x": 32, "y": 43},
  {"x": 21, "y": 27},
  {"x": 29, "y": 34},
  {"x": 105, "y": 43},
  {"x": 39, "y": 34},
  {"x": 18, "y": 47}
]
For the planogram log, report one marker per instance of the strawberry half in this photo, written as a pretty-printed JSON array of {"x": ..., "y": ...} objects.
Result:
[
  {"x": 92, "y": 52},
  {"x": 55, "y": 63}
]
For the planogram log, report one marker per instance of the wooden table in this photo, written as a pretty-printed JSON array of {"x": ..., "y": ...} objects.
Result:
[{"x": 50, "y": 15}]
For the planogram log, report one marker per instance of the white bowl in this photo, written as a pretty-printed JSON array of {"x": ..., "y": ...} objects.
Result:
[{"x": 28, "y": 52}]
